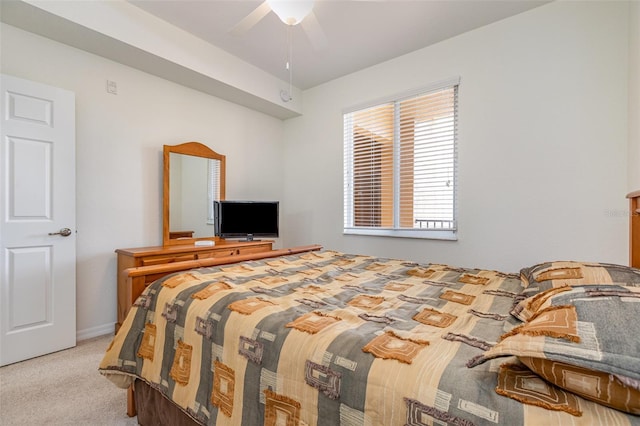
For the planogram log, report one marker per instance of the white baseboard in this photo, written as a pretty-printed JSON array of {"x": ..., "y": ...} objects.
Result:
[{"x": 89, "y": 333}]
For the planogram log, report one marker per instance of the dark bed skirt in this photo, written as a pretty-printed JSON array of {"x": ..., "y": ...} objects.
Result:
[{"x": 154, "y": 409}]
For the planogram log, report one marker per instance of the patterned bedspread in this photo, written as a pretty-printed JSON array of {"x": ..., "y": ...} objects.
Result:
[{"x": 332, "y": 339}]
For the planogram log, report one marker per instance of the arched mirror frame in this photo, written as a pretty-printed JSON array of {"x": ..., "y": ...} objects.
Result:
[{"x": 188, "y": 148}]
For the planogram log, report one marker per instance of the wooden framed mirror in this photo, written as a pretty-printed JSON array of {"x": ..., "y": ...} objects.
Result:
[{"x": 193, "y": 177}]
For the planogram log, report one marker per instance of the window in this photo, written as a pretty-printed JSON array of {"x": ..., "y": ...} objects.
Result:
[{"x": 400, "y": 165}]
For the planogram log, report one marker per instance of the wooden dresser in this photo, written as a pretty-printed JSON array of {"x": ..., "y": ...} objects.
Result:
[{"x": 147, "y": 256}]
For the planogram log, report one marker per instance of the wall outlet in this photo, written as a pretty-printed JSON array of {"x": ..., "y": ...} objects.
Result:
[{"x": 112, "y": 87}]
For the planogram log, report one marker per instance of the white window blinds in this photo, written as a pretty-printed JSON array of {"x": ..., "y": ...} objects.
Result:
[{"x": 400, "y": 165}]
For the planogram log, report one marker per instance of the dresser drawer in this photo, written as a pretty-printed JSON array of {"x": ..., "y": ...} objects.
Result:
[
  {"x": 157, "y": 260},
  {"x": 218, "y": 253},
  {"x": 254, "y": 249}
]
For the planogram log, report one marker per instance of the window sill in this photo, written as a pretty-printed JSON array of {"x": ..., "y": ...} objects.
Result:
[{"x": 447, "y": 235}]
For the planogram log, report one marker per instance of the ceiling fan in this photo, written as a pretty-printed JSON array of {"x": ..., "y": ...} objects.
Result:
[{"x": 291, "y": 12}]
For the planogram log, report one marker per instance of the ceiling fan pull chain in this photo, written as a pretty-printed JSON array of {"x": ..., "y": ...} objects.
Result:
[
  {"x": 289, "y": 65},
  {"x": 284, "y": 94}
]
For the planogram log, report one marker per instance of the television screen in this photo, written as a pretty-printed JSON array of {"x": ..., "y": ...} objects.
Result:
[{"x": 246, "y": 219}]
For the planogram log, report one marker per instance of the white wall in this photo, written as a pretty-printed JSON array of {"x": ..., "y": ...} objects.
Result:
[
  {"x": 542, "y": 141},
  {"x": 119, "y": 155},
  {"x": 634, "y": 96}
]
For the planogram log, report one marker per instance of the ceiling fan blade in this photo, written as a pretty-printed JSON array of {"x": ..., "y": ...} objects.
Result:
[
  {"x": 314, "y": 31},
  {"x": 251, "y": 19}
]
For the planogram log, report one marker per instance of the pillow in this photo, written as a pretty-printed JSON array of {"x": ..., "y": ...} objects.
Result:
[
  {"x": 603, "y": 388},
  {"x": 544, "y": 276},
  {"x": 517, "y": 382},
  {"x": 591, "y": 327},
  {"x": 527, "y": 308}
]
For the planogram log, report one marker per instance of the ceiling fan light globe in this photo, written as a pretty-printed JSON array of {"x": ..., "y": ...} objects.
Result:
[{"x": 291, "y": 12}]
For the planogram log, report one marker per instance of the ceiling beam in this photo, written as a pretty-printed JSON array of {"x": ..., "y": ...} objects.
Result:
[{"x": 121, "y": 32}]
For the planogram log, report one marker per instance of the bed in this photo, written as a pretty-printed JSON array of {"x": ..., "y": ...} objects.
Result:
[{"x": 315, "y": 336}]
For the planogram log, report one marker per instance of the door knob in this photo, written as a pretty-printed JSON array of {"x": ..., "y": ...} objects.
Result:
[{"x": 65, "y": 232}]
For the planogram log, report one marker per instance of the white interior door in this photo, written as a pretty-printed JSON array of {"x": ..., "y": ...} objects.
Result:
[{"x": 37, "y": 204}]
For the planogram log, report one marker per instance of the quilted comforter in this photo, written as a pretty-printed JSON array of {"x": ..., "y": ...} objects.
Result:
[{"x": 329, "y": 338}]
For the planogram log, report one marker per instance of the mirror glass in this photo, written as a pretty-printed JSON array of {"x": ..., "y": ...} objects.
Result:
[{"x": 193, "y": 179}]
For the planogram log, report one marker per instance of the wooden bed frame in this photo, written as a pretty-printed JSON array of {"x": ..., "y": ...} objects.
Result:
[
  {"x": 139, "y": 278},
  {"x": 634, "y": 229}
]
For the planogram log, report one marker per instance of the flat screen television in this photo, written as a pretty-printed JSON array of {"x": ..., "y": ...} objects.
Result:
[{"x": 245, "y": 219}]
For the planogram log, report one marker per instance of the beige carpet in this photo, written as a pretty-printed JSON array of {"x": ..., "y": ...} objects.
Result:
[{"x": 63, "y": 388}]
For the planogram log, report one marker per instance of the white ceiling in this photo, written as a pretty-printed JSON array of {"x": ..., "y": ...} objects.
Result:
[
  {"x": 359, "y": 33},
  {"x": 189, "y": 41}
]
